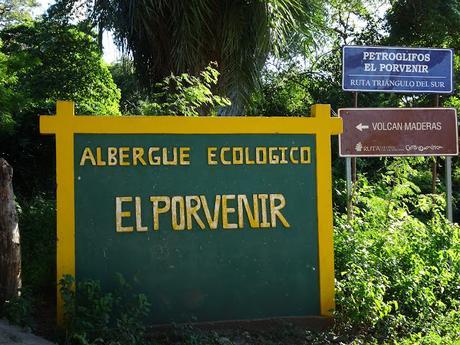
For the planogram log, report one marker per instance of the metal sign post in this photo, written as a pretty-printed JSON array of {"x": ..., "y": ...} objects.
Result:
[
  {"x": 349, "y": 188},
  {"x": 449, "y": 187},
  {"x": 434, "y": 163},
  {"x": 448, "y": 175},
  {"x": 351, "y": 172}
]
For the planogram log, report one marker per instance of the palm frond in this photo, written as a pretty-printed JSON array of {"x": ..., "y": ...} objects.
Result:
[{"x": 176, "y": 36}]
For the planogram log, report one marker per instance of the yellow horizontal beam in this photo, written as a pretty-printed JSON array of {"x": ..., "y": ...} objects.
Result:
[{"x": 189, "y": 125}]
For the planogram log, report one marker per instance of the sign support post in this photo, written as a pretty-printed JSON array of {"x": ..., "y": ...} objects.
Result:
[
  {"x": 434, "y": 163},
  {"x": 448, "y": 177},
  {"x": 65, "y": 224},
  {"x": 349, "y": 188},
  {"x": 350, "y": 164},
  {"x": 449, "y": 187},
  {"x": 353, "y": 159}
]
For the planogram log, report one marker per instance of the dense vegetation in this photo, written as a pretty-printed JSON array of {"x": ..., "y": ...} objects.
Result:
[{"x": 397, "y": 261}]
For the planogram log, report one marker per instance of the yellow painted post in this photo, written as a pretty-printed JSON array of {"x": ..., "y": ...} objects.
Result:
[
  {"x": 61, "y": 125},
  {"x": 324, "y": 200}
]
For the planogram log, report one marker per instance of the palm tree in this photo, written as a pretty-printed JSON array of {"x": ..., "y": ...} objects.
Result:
[{"x": 176, "y": 36}]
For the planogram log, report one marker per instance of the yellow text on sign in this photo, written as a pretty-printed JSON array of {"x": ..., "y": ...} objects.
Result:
[
  {"x": 225, "y": 155},
  {"x": 228, "y": 211}
]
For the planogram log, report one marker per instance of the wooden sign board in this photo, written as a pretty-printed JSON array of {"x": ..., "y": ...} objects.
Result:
[
  {"x": 378, "y": 132},
  {"x": 217, "y": 219}
]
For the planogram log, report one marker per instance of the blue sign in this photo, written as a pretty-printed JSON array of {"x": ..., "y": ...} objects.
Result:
[{"x": 406, "y": 70}]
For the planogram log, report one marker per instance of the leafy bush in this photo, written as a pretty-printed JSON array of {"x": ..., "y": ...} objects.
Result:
[
  {"x": 93, "y": 316},
  {"x": 6, "y": 78},
  {"x": 18, "y": 310},
  {"x": 395, "y": 274},
  {"x": 37, "y": 223},
  {"x": 40, "y": 63},
  {"x": 57, "y": 62},
  {"x": 186, "y": 95}
]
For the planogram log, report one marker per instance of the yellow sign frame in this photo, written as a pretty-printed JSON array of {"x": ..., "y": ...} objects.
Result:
[{"x": 65, "y": 124}]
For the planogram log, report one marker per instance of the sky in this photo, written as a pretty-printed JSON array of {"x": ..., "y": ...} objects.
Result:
[{"x": 111, "y": 53}]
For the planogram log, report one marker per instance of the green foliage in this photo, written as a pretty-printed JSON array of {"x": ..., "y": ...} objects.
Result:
[
  {"x": 132, "y": 94},
  {"x": 182, "y": 94},
  {"x": 397, "y": 275},
  {"x": 431, "y": 23},
  {"x": 291, "y": 83},
  {"x": 93, "y": 316},
  {"x": 37, "y": 220},
  {"x": 59, "y": 62},
  {"x": 45, "y": 62},
  {"x": 186, "y": 95},
  {"x": 282, "y": 94},
  {"x": 13, "y": 12},
  {"x": 6, "y": 97},
  {"x": 444, "y": 330},
  {"x": 18, "y": 310}
]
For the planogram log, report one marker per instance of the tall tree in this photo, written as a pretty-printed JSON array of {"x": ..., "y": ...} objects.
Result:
[
  {"x": 184, "y": 36},
  {"x": 44, "y": 62},
  {"x": 292, "y": 83},
  {"x": 425, "y": 23},
  {"x": 10, "y": 253}
]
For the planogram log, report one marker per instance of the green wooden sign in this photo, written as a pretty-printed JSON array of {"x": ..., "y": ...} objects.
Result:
[{"x": 216, "y": 219}]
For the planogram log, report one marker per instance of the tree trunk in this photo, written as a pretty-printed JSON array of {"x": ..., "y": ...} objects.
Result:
[
  {"x": 100, "y": 37},
  {"x": 10, "y": 248}
]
